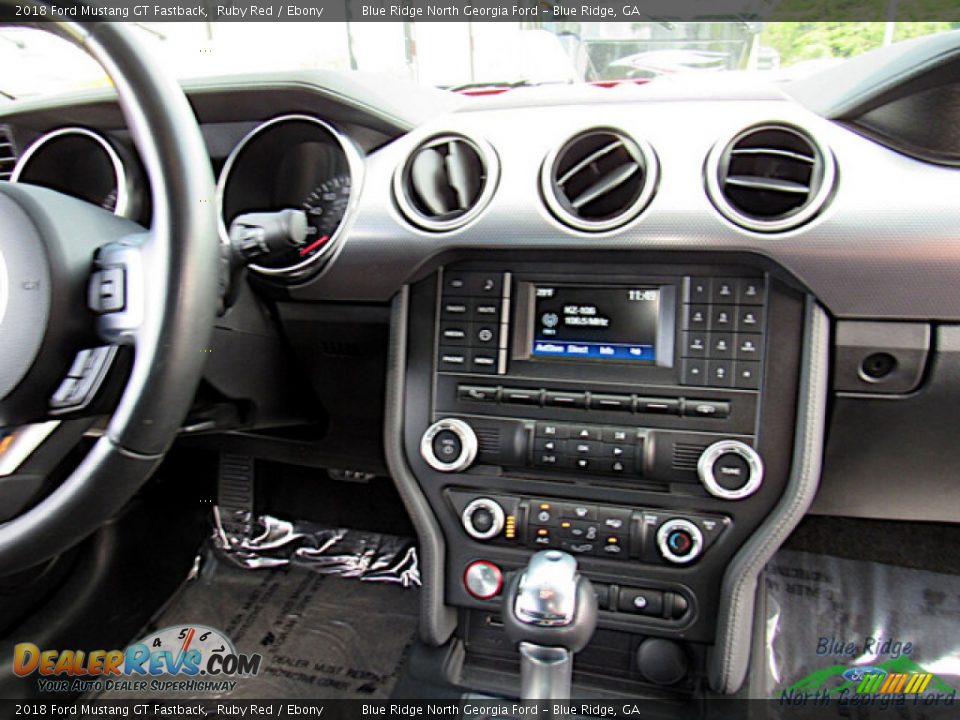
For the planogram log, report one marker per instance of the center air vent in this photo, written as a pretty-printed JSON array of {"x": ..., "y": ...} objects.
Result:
[
  {"x": 8, "y": 153},
  {"x": 446, "y": 182},
  {"x": 770, "y": 178},
  {"x": 599, "y": 180}
]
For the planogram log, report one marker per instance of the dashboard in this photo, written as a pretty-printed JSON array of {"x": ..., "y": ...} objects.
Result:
[{"x": 652, "y": 326}]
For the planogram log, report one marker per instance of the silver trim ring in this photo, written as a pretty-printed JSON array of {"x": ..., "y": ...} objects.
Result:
[
  {"x": 727, "y": 447},
  {"x": 695, "y": 535},
  {"x": 468, "y": 445},
  {"x": 814, "y": 204},
  {"x": 122, "y": 206},
  {"x": 491, "y": 168},
  {"x": 492, "y": 507},
  {"x": 651, "y": 179},
  {"x": 355, "y": 168}
]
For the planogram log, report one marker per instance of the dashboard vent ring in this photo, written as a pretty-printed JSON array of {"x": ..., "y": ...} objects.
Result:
[
  {"x": 446, "y": 182},
  {"x": 8, "y": 153},
  {"x": 770, "y": 178},
  {"x": 599, "y": 180}
]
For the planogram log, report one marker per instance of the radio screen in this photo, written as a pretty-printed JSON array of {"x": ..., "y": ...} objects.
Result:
[{"x": 595, "y": 323}]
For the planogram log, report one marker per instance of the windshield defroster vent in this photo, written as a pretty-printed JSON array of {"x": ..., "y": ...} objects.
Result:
[
  {"x": 770, "y": 178},
  {"x": 446, "y": 182},
  {"x": 599, "y": 180},
  {"x": 8, "y": 153}
]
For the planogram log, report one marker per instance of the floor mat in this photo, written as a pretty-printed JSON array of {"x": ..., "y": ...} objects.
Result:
[
  {"x": 320, "y": 636},
  {"x": 837, "y": 627}
]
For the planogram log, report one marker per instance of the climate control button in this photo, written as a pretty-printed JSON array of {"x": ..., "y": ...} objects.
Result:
[
  {"x": 483, "y": 519},
  {"x": 679, "y": 541}
]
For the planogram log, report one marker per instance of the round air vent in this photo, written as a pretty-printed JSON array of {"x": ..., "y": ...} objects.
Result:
[
  {"x": 770, "y": 178},
  {"x": 599, "y": 180},
  {"x": 446, "y": 182}
]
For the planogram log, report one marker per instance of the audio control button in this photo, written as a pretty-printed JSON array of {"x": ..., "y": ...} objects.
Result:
[
  {"x": 554, "y": 430},
  {"x": 585, "y": 432},
  {"x": 611, "y": 403},
  {"x": 565, "y": 399},
  {"x": 518, "y": 396},
  {"x": 477, "y": 393},
  {"x": 449, "y": 445},
  {"x": 706, "y": 408},
  {"x": 730, "y": 469}
]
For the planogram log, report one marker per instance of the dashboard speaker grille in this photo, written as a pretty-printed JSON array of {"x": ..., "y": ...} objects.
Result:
[
  {"x": 488, "y": 439},
  {"x": 770, "y": 178},
  {"x": 8, "y": 153},
  {"x": 599, "y": 180},
  {"x": 687, "y": 455},
  {"x": 446, "y": 182}
]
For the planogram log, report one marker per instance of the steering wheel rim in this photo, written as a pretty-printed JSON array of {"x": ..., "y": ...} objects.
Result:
[{"x": 178, "y": 287}]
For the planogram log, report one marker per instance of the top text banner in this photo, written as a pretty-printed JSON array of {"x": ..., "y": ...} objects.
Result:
[{"x": 666, "y": 11}]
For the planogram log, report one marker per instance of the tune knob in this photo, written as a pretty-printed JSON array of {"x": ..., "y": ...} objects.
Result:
[
  {"x": 730, "y": 470},
  {"x": 483, "y": 519},
  {"x": 449, "y": 445}
]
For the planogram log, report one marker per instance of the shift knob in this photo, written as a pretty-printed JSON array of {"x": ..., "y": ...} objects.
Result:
[{"x": 550, "y": 603}]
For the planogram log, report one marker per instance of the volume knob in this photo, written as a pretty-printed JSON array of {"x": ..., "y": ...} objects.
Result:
[
  {"x": 449, "y": 445},
  {"x": 730, "y": 470}
]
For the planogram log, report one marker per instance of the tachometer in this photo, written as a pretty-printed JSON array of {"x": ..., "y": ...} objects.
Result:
[{"x": 325, "y": 208}]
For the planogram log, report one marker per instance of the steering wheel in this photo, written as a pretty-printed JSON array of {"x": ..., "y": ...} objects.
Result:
[{"x": 73, "y": 277}]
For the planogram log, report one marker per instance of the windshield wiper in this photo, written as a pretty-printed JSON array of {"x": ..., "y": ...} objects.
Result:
[{"x": 8, "y": 96}]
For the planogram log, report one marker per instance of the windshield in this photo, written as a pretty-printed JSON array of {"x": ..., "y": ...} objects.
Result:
[{"x": 463, "y": 55}]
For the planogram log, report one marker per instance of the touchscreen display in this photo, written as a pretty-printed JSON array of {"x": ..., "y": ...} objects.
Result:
[{"x": 596, "y": 323}]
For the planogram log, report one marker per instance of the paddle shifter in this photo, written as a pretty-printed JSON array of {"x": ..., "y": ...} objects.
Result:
[{"x": 550, "y": 611}]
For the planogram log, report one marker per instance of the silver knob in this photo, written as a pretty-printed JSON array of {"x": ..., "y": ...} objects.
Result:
[
  {"x": 449, "y": 445},
  {"x": 492, "y": 514},
  {"x": 730, "y": 469},
  {"x": 547, "y": 595},
  {"x": 679, "y": 541}
]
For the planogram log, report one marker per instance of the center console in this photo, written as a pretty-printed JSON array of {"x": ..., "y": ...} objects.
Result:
[{"x": 638, "y": 417}]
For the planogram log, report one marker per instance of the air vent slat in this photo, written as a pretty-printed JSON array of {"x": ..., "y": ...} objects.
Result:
[
  {"x": 770, "y": 178},
  {"x": 565, "y": 178},
  {"x": 769, "y": 184},
  {"x": 8, "y": 154},
  {"x": 776, "y": 152},
  {"x": 599, "y": 180},
  {"x": 445, "y": 182},
  {"x": 604, "y": 185}
]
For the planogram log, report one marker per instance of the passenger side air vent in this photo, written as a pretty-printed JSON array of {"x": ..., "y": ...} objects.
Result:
[
  {"x": 446, "y": 182},
  {"x": 599, "y": 180},
  {"x": 770, "y": 178},
  {"x": 8, "y": 153}
]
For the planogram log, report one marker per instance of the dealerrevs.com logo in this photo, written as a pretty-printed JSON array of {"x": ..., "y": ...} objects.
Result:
[{"x": 185, "y": 658}]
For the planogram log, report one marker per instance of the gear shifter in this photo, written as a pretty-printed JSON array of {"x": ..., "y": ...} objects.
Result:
[{"x": 550, "y": 611}]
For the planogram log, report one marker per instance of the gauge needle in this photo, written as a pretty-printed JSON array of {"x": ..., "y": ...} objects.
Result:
[{"x": 314, "y": 245}]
